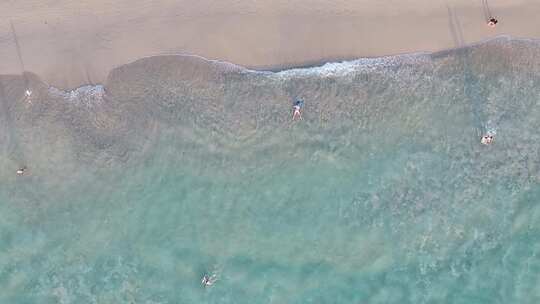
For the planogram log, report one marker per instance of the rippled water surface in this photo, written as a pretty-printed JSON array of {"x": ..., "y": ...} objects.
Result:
[{"x": 178, "y": 167}]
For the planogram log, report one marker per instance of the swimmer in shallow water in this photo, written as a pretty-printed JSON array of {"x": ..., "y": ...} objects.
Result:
[
  {"x": 21, "y": 170},
  {"x": 208, "y": 280},
  {"x": 297, "y": 114},
  {"x": 28, "y": 96},
  {"x": 487, "y": 139}
]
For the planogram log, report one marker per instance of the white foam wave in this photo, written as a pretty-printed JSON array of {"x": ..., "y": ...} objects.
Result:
[
  {"x": 89, "y": 95},
  {"x": 346, "y": 68}
]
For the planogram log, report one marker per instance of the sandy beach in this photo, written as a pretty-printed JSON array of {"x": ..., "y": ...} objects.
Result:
[{"x": 69, "y": 43}]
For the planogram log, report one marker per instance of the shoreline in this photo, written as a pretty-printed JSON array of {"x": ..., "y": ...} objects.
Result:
[
  {"x": 72, "y": 44},
  {"x": 284, "y": 70}
]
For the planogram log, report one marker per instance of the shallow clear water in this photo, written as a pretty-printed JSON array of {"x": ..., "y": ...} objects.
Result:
[{"x": 179, "y": 167}]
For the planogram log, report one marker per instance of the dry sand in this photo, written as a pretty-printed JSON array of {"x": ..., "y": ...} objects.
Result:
[{"x": 69, "y": 43}]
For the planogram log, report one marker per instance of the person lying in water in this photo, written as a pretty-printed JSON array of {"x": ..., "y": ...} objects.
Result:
[
  {"x": 209, "y": 280},
  {"x": 297, "y": 108},
  {"x": 21, "y": 170},
  {"x": 487, "y": 139}
]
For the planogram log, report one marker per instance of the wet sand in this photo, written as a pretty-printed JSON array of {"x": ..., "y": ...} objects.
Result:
[{"x": 72, "y": 43}]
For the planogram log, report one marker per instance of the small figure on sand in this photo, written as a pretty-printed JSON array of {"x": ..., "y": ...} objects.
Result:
[
  {"x": 487, "y": 139},
  {"x": 209, "y": 280},
  {"x": 21, "y": 170},
  {"x": 297, "y": 108},
  {"x": 492, "y": 22}
]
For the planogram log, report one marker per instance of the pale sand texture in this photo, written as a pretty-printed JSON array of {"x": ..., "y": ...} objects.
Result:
[{"x": 69, "y": 43}]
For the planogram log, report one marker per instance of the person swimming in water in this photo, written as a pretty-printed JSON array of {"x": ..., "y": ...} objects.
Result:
[
  {"x": 208, "y": 280},
  {"x": 487, "y": 139},
  {"x": 21, "y": 170},
  {"x": 297, "y": 114}
]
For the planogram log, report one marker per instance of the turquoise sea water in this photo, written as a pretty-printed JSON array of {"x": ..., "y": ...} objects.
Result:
[{"x": 178, "y": 167}]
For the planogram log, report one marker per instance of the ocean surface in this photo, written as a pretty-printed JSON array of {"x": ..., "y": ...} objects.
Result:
[{"x": 178, "y": 167}]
